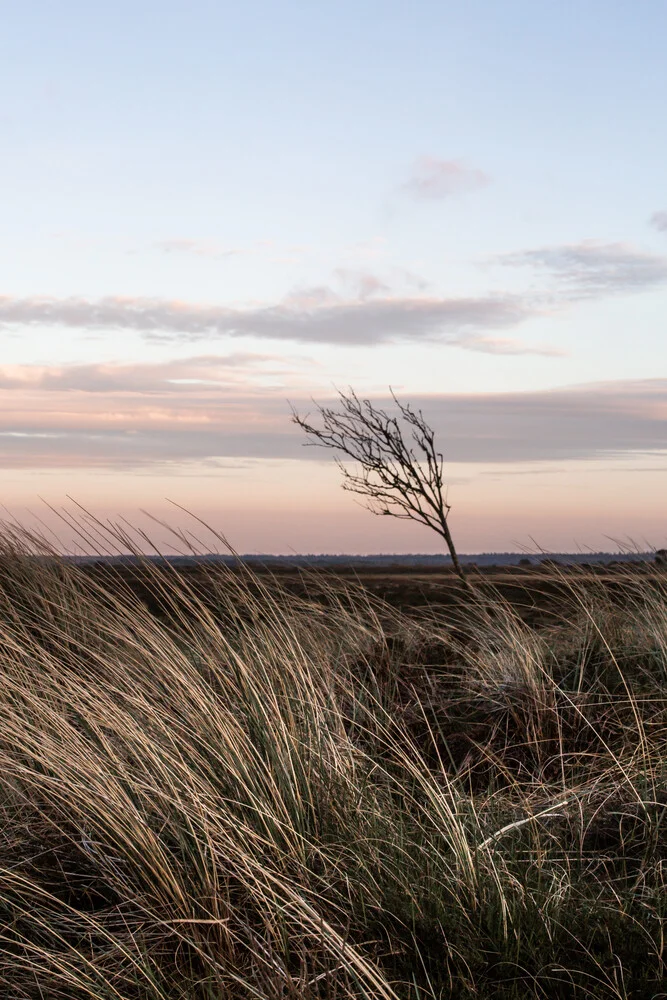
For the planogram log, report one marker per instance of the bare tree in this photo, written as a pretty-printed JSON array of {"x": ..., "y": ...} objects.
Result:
[{"x": 400, "y": 474}]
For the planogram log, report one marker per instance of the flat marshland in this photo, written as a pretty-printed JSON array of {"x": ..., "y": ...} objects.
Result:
[{"x": 217, "y": 785}]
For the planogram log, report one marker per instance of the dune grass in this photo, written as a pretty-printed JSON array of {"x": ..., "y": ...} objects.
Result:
[{"x": 249, "y": 794}]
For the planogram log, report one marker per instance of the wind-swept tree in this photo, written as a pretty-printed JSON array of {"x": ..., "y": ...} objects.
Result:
[{"x": 398, "y": 470}]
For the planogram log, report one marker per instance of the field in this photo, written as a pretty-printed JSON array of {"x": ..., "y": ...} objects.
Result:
[{"x": 220, "y": 784}]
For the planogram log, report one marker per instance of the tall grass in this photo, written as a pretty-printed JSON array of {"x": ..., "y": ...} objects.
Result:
[{"x": 247, "y": 794}]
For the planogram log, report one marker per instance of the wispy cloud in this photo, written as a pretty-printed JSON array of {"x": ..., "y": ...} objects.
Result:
[
  {"x": 366, "y": 309},
  {"x": 591, "y": 269},
  {"x": 433, "y": 179},
  {"x": 155, "y": 449},
  {"x": 360, "y": 284},
  {"x": 309, "y": 316},
  {"x": 148, "y": 378},
  {"x": 133, "y": 417},
  {"x": 659, "y": 221},
  {"x": 578, "y": 422}
]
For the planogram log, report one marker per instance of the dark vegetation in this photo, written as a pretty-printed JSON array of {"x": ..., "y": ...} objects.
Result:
[{"x": 218, "y": 783}]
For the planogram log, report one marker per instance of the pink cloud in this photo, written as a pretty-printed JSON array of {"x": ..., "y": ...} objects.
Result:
[
  {"x": 131, "y": 417},
  {"x": 433, "y": 179}
]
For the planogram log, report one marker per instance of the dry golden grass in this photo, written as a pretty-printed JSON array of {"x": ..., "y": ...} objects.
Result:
[{"x": 256, "y": 795}]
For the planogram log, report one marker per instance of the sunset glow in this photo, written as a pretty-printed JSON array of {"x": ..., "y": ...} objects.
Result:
[{"x": 215, "y": 211}]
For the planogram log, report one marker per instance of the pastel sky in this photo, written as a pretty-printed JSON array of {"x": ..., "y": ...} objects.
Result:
[{"x": 211, "y": 209}]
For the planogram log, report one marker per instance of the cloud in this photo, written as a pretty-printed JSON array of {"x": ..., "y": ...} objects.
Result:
[
  {"x": 433, "y": 179},
  {"x": 579, "y": 422},
  {"x": 177, "y": 375},
  {"x": 309, "y": 316},
  {"x": 410, "y": 279},
  {"x": 363, "y": 310},
  {"x": 360, "y": 284},
  {"x": 114, "y": 422},
  {"x": 659, "y": 221},
  {"x": 144, "y": 449},
  {"x": 197, "y": 248},
  {"x": 591, "y": 269}
]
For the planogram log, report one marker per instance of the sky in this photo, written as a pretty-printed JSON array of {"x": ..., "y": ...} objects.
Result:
[{"x": 213, "y": 211}]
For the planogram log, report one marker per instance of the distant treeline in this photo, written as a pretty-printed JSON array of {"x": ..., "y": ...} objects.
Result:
[{"x": 383, "y": 559}]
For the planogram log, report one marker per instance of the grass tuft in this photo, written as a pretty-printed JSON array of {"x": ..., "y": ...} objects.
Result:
[{"x": 238, "y": 792}]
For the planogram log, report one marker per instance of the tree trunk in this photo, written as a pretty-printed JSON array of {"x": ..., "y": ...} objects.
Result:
[{"x": 458, "y": 568}]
